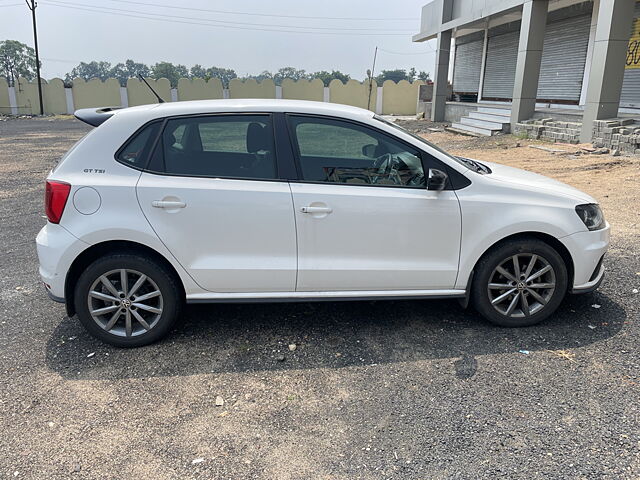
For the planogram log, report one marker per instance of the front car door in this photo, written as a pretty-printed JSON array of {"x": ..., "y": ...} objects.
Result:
[
  {"x": 213, "y": 197},
  {"x": 365, "y": 220}
]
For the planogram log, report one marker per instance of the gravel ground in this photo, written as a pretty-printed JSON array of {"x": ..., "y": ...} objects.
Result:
[{"x": 373, "y": 390}]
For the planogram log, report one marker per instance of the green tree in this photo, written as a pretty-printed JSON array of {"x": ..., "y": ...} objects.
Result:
[
  {"x": 224, "y": 74},
  {"x": 17, "y": 60},
  {"x": 395, "y": 75},
  {"x": 261, "y": 76},
  {"x": 129, "y": 69},
  {"x": 198, "y": 71},
  {"x": 326, "y": 77},
  {"x": 171, "y": 72},
  {"x": 87, "y": 71},
  {"x": 412, "y": 75},
  {"x": 289, "y": 72},
  {"x": 424, "y": 76}
]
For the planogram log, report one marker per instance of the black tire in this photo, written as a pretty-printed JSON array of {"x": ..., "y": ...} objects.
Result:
[
  {"x": 525, "y": 249},
  {"x": 169, "y": 302}
]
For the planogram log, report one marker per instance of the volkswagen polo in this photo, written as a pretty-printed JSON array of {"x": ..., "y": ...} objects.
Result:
[{"x": 276, "y": 200}]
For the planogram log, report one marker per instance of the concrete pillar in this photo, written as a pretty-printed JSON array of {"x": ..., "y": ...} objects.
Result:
[
  {"x": 68, "y": 92},
  {"x": 484, "y": 62},
  {"x": 607, "y": 67},
  {"x": 380, "y": 100},
  {"x": 452, "y": 60},
  {"x": 440, "y": 84},
  {"x": 592, "y": 37},
  {"x": 13, "y": 100},
  {"x": 525, "y": 88}
]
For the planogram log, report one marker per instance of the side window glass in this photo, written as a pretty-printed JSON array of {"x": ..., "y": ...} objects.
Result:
[
  {"x": 178, "y": 136},
  {"x": 336, "y": 151},
  {"x": 225, "y": 136},
  {"x": 136, "y": 150},
  {"x": 229, "y": 146}
]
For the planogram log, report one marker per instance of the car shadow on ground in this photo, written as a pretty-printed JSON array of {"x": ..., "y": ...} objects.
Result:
[{"x": 228, "y": 338}]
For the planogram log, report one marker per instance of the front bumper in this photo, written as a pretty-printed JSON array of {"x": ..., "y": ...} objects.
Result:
[
  {"x": 587, "y": 250},
  {"x": 591, "y": 286},
  {"x": 53, "y": 297},
  {"x": 57, "y": 249}
]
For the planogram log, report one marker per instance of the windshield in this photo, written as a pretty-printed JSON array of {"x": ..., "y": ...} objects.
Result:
[{"x": 465, "y": 162}]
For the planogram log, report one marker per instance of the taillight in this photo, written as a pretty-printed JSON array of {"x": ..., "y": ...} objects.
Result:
[{"x": 55, "y": 198}]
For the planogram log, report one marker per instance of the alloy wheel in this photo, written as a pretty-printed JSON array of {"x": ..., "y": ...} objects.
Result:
[
  {"x": 521, "y": 285},
  {"x": 125, "y": 302}
]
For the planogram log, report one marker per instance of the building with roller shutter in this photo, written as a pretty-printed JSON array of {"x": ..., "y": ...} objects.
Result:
[{"x": 514, "y": 60}]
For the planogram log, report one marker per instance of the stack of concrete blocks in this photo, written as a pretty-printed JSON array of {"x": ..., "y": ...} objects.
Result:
[
  {"x": 528, "y": 129},
  {"x": 549, "y": 129},
  {"x": 617, "y": 134}
]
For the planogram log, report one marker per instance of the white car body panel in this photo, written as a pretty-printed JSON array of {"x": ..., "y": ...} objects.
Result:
[
  {"x": 57, "y": 249},
  {"x": 377, "y": 241},
  {"x": 232, "y": 235},
  {"x": 376, "y": 238},
  {"x": 587, "y": 248},
  {"x": 119, "y": 216},
  {"x": 493, "y": 210},
  {"x": 535, "y": 182}
]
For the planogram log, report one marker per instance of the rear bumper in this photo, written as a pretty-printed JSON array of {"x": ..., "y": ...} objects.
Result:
[
  {"x": 57, "y": 249},
  {"x": 587, "y": 250}
]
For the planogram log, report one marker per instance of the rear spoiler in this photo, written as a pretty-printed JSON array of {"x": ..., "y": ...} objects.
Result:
[{"x": 95, "y": 116}]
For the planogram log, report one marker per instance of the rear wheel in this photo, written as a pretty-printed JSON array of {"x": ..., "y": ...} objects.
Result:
[
  {"x": 519, "y": 283},
  {"x": 127, "y": 300}
]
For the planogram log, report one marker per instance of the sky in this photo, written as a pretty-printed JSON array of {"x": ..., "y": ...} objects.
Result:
[{"x": 248, "y": 36}]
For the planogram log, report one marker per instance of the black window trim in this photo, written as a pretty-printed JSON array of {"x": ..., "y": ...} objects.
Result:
[
  {"x": 296, "y": 148},
  {"x": 277, "y": 146}
]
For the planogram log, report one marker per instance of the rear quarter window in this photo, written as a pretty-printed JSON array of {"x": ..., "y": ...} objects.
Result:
[{"x": 135, "y": 152}]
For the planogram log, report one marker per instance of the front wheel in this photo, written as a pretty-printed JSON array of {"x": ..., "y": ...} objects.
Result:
[
  {"x": 127, "y": 300},
  {"x": 519, "y": 283}
]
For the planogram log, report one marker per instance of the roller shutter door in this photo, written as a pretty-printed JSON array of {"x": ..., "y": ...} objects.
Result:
[
  {"x": 468, "y": 61},
  {"x": 500, "y": 69},
  {"x": 630, "y": 96},
  {"x": 564, "y": 56}
]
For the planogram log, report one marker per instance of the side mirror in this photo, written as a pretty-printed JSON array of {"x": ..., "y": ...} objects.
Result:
[
  {"x": 369, "y": 150},
  {"x": 437, "y": 180}
]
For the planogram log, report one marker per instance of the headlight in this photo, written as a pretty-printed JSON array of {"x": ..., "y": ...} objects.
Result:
[{"x": 591, "y": 215}]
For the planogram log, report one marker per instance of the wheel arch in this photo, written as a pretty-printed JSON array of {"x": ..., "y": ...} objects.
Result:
[
  {"x": 104, "y": 248},
  {"x": 546, "y": 238}
]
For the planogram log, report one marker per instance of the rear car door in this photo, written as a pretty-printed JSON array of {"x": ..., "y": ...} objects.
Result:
[
  {"x": 364, "y": 217},
  {"x": 212, "y": 195}
]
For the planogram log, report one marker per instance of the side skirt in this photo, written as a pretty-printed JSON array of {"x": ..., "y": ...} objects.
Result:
[{"x": 275, "y": 297}]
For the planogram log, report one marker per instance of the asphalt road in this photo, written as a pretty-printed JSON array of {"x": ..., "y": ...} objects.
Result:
[{"x": 373, "y": 390}]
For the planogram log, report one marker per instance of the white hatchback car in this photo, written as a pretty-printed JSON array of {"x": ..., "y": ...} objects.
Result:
[{"x": 275, "y": 200}]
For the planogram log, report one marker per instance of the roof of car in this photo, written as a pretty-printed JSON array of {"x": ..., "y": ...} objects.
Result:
[{"x": 249, "y": 105}]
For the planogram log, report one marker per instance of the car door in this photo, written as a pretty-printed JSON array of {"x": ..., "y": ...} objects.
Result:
[
  {"x": 365, "y": 220},
  {"x": 213, "y": 197}
]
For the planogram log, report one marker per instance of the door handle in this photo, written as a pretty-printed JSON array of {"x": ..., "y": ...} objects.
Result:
[
  {"x": 168, "y": 204},
  {"x": 312, "y": 209}
]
